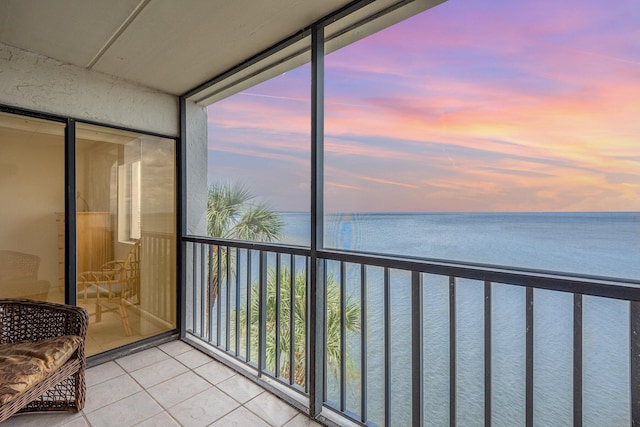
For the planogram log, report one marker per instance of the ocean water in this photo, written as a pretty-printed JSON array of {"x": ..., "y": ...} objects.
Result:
[{"x": 599, "y": 244}]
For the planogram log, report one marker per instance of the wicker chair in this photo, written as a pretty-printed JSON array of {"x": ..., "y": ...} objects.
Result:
[{"x": 31, "y": 321}]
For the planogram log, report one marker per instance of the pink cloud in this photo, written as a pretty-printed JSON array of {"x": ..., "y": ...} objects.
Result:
[{"x": 461, "y": 100}]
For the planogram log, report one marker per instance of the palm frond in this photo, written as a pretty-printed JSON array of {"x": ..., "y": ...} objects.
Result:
[
  {"x": 260, "y": 223},
  {"x": 230, "y": 214}
]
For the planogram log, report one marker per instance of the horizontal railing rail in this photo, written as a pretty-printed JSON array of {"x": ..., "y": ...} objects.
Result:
[
  {"x": 608, "y": 287},
  {"x": 384, "y": 316}
]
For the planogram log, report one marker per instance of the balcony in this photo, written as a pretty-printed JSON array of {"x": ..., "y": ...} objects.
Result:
[
  {"x": 435, "y": 343},
  {"x": 449, "y": 354},
  {"x": 347, "y": 337}
]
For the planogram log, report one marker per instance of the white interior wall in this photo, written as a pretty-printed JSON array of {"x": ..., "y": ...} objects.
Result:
[{"x": 32, "y": 193}]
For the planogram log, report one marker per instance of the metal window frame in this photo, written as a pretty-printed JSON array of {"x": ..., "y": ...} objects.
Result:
[{"x": 318, "y": 256}]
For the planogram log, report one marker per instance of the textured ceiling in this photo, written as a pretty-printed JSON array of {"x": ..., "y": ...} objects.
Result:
[{"x": 169, "y": 45}]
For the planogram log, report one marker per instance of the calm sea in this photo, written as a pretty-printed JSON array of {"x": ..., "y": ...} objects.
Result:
[{"x": 600, "y": 244}]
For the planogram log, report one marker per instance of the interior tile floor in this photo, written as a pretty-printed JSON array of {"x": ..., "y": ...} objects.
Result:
[{"x": 170, "y": 385}]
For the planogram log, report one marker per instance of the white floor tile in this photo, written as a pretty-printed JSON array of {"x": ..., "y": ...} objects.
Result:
[
  {"x": 240, "y": 388},
  {"x": 193, "y": 358},
  {"x": 126, "y": 412},
  {"x": 272, "y": 409},
  {"x": 214, "y": 372},
  {"x": 102, "y": 373},
  {"x": 77, "y": 422},
  {"x": 158, "y": 372},
  {"x": 106, "y": 393},
  {"x": 204, "y": 408},
  {"x": 178, "y": 389},
  {"x": 143, "y": 359},
  {"x": 241, "y": 417},
  {"x": 174, "y": 348},
  {"x": 160, "y": 420},
  {"x": 301, "y": 420}
]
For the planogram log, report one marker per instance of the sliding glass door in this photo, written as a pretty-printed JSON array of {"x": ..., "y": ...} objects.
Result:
[
  {"x": 125, "y": 201},
  {"x": 125, "y": 218}
]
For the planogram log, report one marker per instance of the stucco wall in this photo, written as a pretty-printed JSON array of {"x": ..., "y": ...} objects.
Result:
[
  {"x": 197, "y": 161},
  {"x": 35, "y": 82}
]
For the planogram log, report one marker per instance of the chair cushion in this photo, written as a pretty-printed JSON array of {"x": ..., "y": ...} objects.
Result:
[{"x": 24, "y": 364}]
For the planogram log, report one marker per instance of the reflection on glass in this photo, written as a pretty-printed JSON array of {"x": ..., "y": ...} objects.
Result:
[
  {"x": 125, "y": 234},
  {"x": 31, "y": 195}
]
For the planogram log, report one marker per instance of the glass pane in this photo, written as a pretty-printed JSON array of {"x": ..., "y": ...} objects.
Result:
[
  {"x": 125, "y": 235},
  {"x": 258, "y": 161},
  {"x": 490, "y": 132},
  {"x": 32, "y": 198}
]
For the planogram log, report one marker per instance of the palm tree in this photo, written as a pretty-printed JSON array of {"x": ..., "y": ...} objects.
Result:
[
  {"x": 352, "y": 323},
  {"x": 231, "y": 214}
]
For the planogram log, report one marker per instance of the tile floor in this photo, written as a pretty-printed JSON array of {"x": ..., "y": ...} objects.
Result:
[{"x": 170, "y": 385}]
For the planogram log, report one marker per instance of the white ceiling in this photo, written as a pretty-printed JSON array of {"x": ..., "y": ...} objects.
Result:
[{"x": 169, "y": 45}]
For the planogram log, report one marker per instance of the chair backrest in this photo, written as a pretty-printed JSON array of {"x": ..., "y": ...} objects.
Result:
[
  {"x": 130, "y": 275},
  {"x": 18, "y": 266}
]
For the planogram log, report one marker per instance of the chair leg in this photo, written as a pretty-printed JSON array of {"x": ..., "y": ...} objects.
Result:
[
  {"x": 125, "y": 319},
  {"x": 80, "y": 389}
]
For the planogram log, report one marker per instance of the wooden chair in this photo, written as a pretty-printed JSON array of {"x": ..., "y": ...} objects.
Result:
[
  {"x": 26, "y": 321},
  {"x": 114, "y": 288}
]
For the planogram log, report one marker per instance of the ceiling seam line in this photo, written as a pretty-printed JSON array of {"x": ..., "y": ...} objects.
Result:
[{"x": 121, "y": 29}]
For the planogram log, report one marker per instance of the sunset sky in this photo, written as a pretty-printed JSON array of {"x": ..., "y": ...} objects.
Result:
[{"x": 473, "y": 105}]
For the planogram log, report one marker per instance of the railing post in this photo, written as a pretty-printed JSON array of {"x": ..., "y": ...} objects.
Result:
[
  {"x": 634, "y": 314},
  {"x": 417, "y": 414},
  {"x": 577, "y": 360},
  {"x": 277, "y": 284},
  {"x": 452, "y": 351},
  {"x": 529, "y": 358},
  {"x": 218, "y": 296},
  {"x": 292, "y": 319},
  {"x": 363, "y": 343},
  {"x": 343, "y": 338},
  {"x": 206, "y": 297},
  {"x": 227, "y": 282},
  {"x": 238, "y": 302},
  {"x": 487, "y": 353},
  {"x": 262, "y": 313},
  {"x": 316, "y": 343},
  {"x": 249, "y": 314},
  {"x": 387, "y": 346}
]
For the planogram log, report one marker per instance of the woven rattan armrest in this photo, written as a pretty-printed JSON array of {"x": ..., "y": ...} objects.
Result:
[{"x": 63, "y": 389}]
